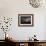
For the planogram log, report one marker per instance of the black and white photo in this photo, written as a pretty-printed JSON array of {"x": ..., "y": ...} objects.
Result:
[{"x": 25, "y": 19}]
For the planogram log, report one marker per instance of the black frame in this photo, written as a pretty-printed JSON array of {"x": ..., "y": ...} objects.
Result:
[{"x": 25, "y": 20}]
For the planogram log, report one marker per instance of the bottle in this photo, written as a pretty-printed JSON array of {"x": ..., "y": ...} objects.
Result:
[{"x": 30, "y": 39}]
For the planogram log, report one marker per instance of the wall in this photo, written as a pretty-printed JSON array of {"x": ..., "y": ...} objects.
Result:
[{"x": 11, "y": 8}]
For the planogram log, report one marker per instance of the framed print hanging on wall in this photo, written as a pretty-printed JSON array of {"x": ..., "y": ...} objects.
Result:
[{"x": 25, "y": 20}]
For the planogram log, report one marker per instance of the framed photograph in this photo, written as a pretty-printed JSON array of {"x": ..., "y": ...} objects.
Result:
[{"x": 25, "y": 20}]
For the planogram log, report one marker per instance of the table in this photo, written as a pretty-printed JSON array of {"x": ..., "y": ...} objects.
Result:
[{"x": 27, "y": 42}]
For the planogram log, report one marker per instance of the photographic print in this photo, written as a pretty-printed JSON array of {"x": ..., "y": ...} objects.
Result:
[{"x": 25, "y": 20}]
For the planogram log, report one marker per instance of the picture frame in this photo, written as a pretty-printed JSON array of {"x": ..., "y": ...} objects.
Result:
[{"x": 25, "y": 20}]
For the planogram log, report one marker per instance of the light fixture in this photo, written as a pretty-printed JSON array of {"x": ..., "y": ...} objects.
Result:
[{"x": 36, "y": 3}]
